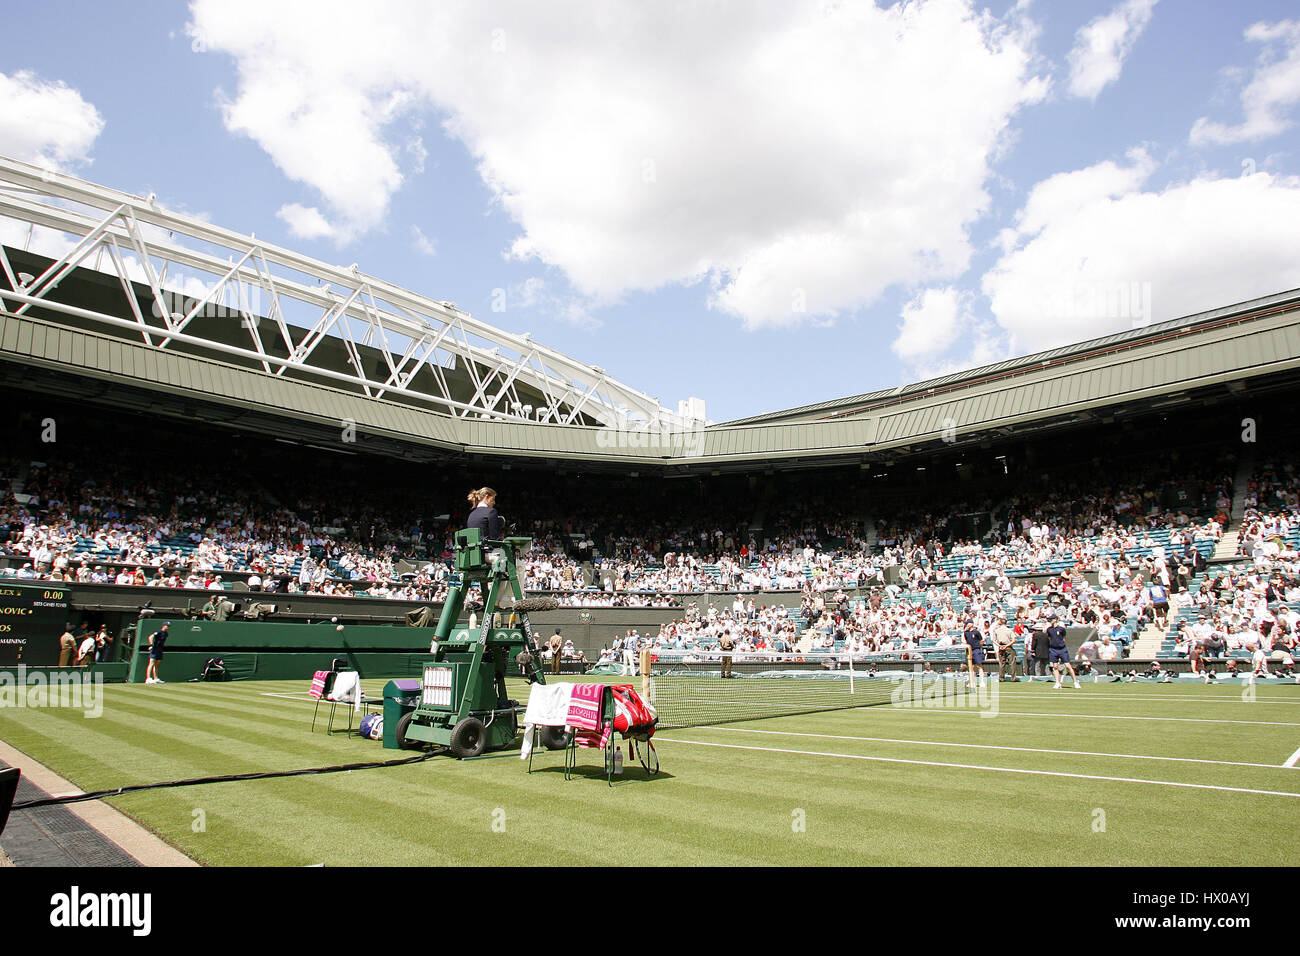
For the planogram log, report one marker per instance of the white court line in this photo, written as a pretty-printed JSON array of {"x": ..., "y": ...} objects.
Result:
[
  {"x": 1113, "y": 697},
  {"x": 1293, "y": 759},
  {"x": 1021, "y": 713},
  {"x": 968, "y": 766},
  {"x": 266, "y": 693},
  {"x": 1028, "y": 750}
]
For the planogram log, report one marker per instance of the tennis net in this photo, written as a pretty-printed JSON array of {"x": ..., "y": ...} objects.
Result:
[{"x": 689, "y": 692}]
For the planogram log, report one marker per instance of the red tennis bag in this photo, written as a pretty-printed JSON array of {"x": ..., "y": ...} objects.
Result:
[{"x": 633, "y": 717}]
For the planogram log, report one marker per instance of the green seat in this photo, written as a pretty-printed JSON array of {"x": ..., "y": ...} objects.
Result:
[{"x": 469, "y": 550}]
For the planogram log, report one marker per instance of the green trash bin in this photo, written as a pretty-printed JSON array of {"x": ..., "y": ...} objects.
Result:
[{"x": 400, "y": 697}]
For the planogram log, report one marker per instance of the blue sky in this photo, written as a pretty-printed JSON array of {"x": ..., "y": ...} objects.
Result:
[{"x": 762, "y": 205}]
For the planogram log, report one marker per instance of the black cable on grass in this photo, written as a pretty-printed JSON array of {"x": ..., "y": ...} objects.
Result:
[{"x": 266, "y": 775}]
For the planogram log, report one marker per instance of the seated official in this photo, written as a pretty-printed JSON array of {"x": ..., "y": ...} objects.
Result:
[{"x": 484, "y": 515}]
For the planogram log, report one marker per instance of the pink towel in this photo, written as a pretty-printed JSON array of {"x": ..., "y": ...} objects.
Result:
[
  {"x": 594, "y": 739},
  {"x": 318, "y": 683},
  {"x": 584, "y": 706}
]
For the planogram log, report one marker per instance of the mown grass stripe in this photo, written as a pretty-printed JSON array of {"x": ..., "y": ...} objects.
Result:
[
  {"x": 960, "y": 766},
  {"x": 1036, "y": 750}
]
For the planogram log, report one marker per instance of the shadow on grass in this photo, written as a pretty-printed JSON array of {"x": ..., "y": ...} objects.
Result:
[{"x": 629, "y": 775}]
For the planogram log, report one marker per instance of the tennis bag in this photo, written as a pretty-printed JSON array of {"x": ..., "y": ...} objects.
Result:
[
  {"x": 214, "y": 670},
  {"x": 633, "y": 717},
  {"x": 372, "y": 726}
]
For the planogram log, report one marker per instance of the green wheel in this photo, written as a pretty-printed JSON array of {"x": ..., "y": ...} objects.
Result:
[
  {"x": 554, "y": 738},
  {"x": 403, "y": 725},
  {"x": 468, "y": 738}
]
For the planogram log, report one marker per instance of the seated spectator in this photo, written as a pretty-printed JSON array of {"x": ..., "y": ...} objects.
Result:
[{"x": 1107, "y": 651}]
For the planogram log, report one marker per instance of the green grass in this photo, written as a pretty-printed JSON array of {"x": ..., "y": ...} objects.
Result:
[{"x": 731, "y": 795}]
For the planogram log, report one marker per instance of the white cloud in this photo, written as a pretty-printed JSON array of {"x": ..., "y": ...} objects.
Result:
[
  {"x": 930, "y": 322},
  {"x": 800, "y": 157},
  {"x": 528, "y": 293},
  {"x": 536, "y": 294},
  {"x": 941, "y": 334},
  {"x": 321, "y": 122},
  {"x": 1092, "y": 252},
  {"x": 416, "y": 149},
  {"x": 423, "y": 244},
  {"x": 47, "y": 124},
  {"x": 986, "y": 344},
  {"x": 1102, "y": 45},
  {"x": 1272, "y": 90},
  {"x": 306, "y": 222},
  {"x": 1066, "y": 194}
]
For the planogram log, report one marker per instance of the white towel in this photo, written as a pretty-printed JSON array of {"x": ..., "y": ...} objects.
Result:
[
  {"x": 527, "y": 748},
  {"x": 347, "y": 687},
  {"x": 548, "y": 704}
]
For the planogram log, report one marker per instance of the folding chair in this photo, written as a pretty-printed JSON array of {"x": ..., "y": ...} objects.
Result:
[
  {"x": 570, "y": 739},
  {"x": 600, "y": 739},
  {"x": 346, "y": 690},
  {"x": 322, "y": 682},
  {"x": 322, "y": 686}
]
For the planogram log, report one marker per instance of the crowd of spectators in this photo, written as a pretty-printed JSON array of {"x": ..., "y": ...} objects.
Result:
[
  {"x": 1246, "y": 607},
  {"x": 110, "y": 529},
  {"x": 205, "y": 521}
]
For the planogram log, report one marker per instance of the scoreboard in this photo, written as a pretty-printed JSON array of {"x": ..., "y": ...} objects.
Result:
[{"x": 32, "y": 619}]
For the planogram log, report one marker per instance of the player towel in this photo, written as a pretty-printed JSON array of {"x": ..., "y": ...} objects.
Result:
[
  {"x": 548, "y": 704},
  {"x": 584, "y": 706}
]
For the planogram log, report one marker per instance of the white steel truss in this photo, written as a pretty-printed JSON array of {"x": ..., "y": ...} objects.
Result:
[{"x": 192, "y": 268}]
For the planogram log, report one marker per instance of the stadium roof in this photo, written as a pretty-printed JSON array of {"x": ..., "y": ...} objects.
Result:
[
  {"x": 1117, "y": 341},
  {"x": 289, "y": 314},
  {"x": 408, "y": 376}
]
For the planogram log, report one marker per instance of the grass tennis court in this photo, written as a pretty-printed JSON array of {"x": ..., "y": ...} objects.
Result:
[{"x": 1113, "y": 774}]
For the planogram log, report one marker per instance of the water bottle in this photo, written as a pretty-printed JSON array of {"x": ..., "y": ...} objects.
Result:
[{"x": 618, "y": 761}]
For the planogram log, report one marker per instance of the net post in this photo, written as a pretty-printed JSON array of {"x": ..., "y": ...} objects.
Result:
[
  {"x": 851, "y": 691},
  {"x": 645, "y": 672}
]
